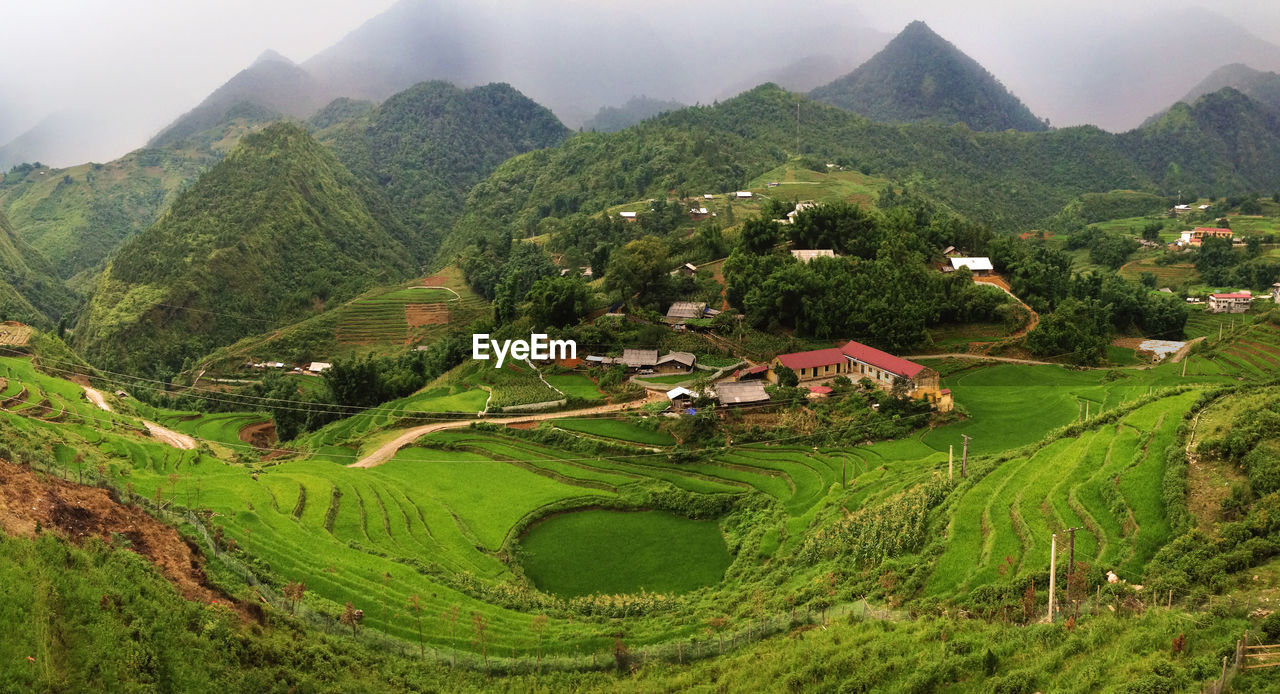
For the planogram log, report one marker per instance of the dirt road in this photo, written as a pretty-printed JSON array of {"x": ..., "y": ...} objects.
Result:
[
  {"x": 172, "y": 438},
  {"x": 389, "y": 449},
  {"x": 95, "y": 397}
]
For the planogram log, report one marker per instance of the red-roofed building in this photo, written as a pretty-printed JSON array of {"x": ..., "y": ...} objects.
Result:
[
  {"x": 1236, "y": 302},
  {"x": 858, "y": 361},
  {"x": 753, "y": 372},
  {"x": 810, "y": 366},
  {"x": 877, "y": 365}
]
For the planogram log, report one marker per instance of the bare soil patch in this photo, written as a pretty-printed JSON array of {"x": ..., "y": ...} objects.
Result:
[
  {"x": 260, "y": 435},
  {"x": 434, "y": 281},
  {"x": 78, "y": 513},
  {"x": 419, "y": 315}
]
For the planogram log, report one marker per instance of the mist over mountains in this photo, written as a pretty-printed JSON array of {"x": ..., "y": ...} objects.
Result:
[{"x": 1115, "y": 70}]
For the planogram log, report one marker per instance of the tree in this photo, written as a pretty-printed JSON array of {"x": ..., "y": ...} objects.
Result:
[
  {"x": 528, "y": 264},
  {"x": 293, "y": 592},
  {"x": 786, "y": 376},
  {"x": 479, "y": 627},
  {"x": 638, "y": 270},
  {"x": 538, "y": 626},
  {"x": 557, "y": 301},
  {"x": 1078, "y": 330},
  {"x": 1151, "y": 232},
  {"x": 1215, "y": 260},
  {"x": 415, "y": 608},
  {"x": 351, "y": 617}
]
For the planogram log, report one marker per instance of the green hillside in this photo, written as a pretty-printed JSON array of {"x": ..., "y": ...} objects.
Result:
[
  {"x": 30, "y": 291},
  {"x": 921, "y": 77},
  {"x": 78, "y": 215},
  {"x": 1008, "y": 180},
  {"x": 426, "y": 146},
  {"x": 267, "y": 236}
]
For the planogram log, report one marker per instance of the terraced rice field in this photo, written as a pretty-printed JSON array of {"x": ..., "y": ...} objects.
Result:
[
  {"x": 1252, "y": 353},
  {"x": 401, "y": 316},
  {"x": 620, "y": 429},
  {"x": 1106, "y": 480}
]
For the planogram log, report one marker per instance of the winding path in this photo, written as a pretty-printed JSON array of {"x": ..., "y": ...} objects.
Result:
[
  {"x": 172, "y": 438},
  {"x": 387, "y": 450}
]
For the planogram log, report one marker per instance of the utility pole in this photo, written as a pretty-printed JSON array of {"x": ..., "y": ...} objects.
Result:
[
  {"x": 1184, "y": 365},
  {"x": 951, "y": 462},
  {"x": 1079, "y": 409},
  {"x": 1086, "y": 410},
  {"x": 1071, "y": 561},
  {"x": 964, "y": 459},
  {"x": 844, "y": 471},
  {"x": 797, "y": 128},
  {"x": 1053, "y": 571}
]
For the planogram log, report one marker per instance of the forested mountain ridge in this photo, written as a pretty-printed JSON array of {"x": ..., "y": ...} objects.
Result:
[
  {"x": 611, "y": 119},
  {"x": 427, "y": 146},
  {"x": 1263, "y": 87},
  {"x": 78, "y": 215},
  {"x": 1225, "y": 142},
  {"x": 270, "y": 88},
  {"x": 1010, "y": 180},
  {"x": 267, "y": 236},
  {"x": 30, "y": 291},
  {"x": 921, "y": 77}
]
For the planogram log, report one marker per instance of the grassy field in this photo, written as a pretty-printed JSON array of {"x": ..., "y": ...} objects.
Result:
[
  {"x": 616, "y": 429},
  {"x": 439, "y": 520},
  {"x": 575, "y": 385},
  {"x": 613, "y": 552}
]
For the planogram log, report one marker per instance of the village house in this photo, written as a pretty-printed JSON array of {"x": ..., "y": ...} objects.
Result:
[
  {"x": 681, "y": 311},
  {"x": 1196, "y": 236},
  {"x": 628, "y": 216},
  {"x": 675, "y": 362},
  {"x": 800, "y": 207},
  {"x": 686, "y": 270},
  {"x": 698, "y": 214},
  {"x": 806, "y": 256},
  {"x": 318, "y": 367},
  {"x": 731, "y": 394},
  {"x": 1275, "y": 292},
  {"x": 743, "y": 194},
  {"x": 1235, "y": 302},
  {"x": 680, "y": 398},
  {"x": 980, "y": 267},
  {"x": 638, "y": 358},
  {"x": 752, "y": 373}
]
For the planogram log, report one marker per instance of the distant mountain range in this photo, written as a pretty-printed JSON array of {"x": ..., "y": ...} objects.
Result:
[
  {"x": 921, "y": 77},
  {"x": 1263, "y": 87},
  {"x": 611, "y": 119}
]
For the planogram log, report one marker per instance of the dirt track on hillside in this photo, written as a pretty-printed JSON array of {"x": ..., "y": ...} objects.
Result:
[{"x": 388, "y": 450}]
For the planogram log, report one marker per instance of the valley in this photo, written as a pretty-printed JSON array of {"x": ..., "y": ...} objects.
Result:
[{"x": 886, "y": 386}]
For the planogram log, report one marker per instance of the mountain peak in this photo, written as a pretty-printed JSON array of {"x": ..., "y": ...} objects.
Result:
[
  {"x": 921, "y": 76},
  {"x": 271, "y": 56}
]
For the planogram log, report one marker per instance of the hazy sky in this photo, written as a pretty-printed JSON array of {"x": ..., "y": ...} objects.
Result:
[
  {"x": 137, "y": 64},
  {"x": 160, "y": 55}
]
